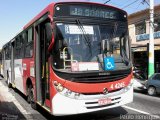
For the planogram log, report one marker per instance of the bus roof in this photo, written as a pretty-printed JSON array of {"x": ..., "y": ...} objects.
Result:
[{"x": 49, "y": 8}]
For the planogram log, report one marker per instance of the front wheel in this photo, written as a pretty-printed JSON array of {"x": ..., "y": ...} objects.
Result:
[{"x": 152, "y": 91}]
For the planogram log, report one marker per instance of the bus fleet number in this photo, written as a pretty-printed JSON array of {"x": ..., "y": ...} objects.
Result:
[{"x": 117, "y": 85}]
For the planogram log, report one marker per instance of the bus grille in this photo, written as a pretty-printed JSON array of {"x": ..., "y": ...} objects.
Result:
[
  {"x": 101, "y": 93},
  {"x": 99, "y": 79},
  {"x": 94, "y": 105}
]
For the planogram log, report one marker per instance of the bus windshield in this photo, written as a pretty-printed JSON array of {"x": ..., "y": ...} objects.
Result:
[{"x": 82, "y": 45}]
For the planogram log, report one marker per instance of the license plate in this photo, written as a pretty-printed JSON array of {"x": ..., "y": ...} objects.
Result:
[{"x": 104, "y": 101}]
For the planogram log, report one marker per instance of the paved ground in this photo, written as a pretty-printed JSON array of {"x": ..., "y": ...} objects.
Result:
[
  {"x": 13, "y": 105},
  {"x": 10, "y": 108}
]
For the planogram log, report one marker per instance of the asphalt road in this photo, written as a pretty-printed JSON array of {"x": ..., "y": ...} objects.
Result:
[{"x": 143, "y": 107}]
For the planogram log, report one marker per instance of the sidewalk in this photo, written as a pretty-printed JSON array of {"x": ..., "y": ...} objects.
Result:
[{"x": 10, "y": 109}]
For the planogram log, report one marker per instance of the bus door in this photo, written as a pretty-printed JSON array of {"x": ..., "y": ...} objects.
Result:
[{"x": 42, "y": 65}]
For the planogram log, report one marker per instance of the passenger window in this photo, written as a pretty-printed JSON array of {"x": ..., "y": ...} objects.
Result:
[
  {"x": 19, "y": 49},
  {"x": 8, "y": 51},
  {"x": 21, "y": 46},
  {"x": 30, "y": 35},
  {"x": 29, "y": 43}
]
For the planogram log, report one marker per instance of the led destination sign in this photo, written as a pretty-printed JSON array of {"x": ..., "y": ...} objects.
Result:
[{"x": 90, "y": 11}]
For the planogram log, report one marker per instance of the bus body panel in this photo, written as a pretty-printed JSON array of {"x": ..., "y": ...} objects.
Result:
[
  {"x": 28, "y": 72},
  {"x": 18, "y": 70},
  {"x": 7, "y": 69},
  {"x": 94, "y": 87},
  {"x": 97, "y": 87}
]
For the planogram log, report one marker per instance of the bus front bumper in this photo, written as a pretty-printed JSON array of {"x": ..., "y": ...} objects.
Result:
[{"x": 62, "y": 105}]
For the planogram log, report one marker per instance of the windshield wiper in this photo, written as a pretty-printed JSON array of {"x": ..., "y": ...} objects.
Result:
[{"x": 86, "y": 37}]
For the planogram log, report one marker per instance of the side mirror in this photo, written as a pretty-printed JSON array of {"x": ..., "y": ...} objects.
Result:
[{"x": 50, "y": 36}]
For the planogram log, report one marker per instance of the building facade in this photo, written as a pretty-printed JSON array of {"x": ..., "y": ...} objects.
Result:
[{"x": 139, "y": 33}]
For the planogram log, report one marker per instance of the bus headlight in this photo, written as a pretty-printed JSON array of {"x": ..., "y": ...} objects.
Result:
[{"x": 66, "y": 92}]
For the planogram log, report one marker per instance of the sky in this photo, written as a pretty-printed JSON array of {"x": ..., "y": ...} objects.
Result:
[{"x": 15, "y": 14}]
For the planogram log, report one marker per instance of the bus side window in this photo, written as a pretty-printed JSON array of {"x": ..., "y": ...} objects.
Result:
[
  {"x": 4, "y": 53},
  {"x": 21, "y": 46},
  {"x": 8, "y": 52},
  {"x": 29, "y": 43},
  {"x": 17, "y": 46}
]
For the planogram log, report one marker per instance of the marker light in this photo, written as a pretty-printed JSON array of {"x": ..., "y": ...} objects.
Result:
[
  {"x": 68, "y": 92},
  {"x": 129, "y": 85},
  {"x": 58, "y": 86}
]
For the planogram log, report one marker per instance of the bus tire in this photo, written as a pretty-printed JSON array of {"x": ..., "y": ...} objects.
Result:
[{"x": 30, "y": 98}]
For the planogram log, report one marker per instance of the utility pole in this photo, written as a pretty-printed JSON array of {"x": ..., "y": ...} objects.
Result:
[{"x": 151, "y": 40}]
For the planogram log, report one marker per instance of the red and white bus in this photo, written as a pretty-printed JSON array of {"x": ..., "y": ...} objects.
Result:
[{"x": 72, "y": 58}]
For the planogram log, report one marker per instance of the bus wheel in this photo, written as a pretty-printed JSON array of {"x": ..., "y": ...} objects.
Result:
[
  {"x": 8, "y": 83},
  {"x": 30, "y": 98}
]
